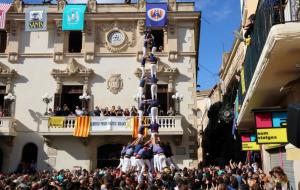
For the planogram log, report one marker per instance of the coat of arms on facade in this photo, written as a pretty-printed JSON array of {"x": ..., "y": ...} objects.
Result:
[{"x": 115, "y": 83}]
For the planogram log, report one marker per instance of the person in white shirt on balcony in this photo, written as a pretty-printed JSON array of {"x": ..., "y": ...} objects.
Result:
[{"x": 78, "y": 111}]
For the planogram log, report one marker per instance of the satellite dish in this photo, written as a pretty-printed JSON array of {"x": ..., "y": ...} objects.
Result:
[{"x": 238, "y": 36}]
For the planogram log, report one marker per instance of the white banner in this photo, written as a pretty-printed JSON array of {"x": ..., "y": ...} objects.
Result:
[{"x": 110, "y": 124}]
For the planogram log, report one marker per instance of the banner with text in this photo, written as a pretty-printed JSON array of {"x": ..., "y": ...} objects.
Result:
[
  {"x": 156, "y": 15},
  {"x": 73, "y": 17},
  {"x": 249, "y": 143},
  {"x": 271, "y": 127},
  {"x": 36, "y": 19},
  {"x": 110, "y": 124}
]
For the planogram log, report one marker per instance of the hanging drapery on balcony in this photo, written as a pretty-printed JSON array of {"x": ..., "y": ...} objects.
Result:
[
  {"x": 56, "y": 122},
  {"x": 82, "y": 126}
]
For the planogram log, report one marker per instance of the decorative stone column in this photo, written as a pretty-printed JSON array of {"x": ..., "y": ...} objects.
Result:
[
  {"x": 92, "y": 6},
  {"x": 61, "y": 5},
  {"x": 86, "y": 85},
  {"x": 17, "y": 6},
  {"x": 171, "y": 84},
  {"x": 58, "y": 85},
  {"x": 8, "y": 85},
  {"x": 141, "y": 5},
  {"x": 13, "y": 41}
]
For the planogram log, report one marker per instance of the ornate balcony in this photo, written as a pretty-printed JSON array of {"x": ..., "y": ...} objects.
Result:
[
  {"x": 169, "y": 125},
  {"x": 7, "y": 127}
]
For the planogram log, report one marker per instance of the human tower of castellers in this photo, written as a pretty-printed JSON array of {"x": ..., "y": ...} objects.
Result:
[{"x": 150, "y": 156}]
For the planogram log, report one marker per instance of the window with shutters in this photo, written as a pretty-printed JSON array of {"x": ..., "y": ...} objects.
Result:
[{"x": 3, "y": 41}]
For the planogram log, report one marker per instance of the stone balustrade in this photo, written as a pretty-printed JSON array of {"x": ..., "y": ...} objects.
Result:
[{"x": 169, "y": 125}]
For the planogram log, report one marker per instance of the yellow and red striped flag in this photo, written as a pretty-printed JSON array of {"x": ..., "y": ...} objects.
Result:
[
  {"x": 135, "y": 127},
  {"x": 82, "y": 126}
]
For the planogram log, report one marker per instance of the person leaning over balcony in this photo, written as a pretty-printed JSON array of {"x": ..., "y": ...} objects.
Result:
[
  {"x": 170, "y": 112},
  {"x": 58, "y": 111},
  {"x": 66, "y": 111},
  {"x": 248, "y": 27},
  {"x": 50, "y": 112},
  {"x": 97, "y": 111},
  {"x": 119, "y": 111},
  {"x": 126, "y": 112},
  {"x": 106, "y": 112},
  {"x": 133, "y": 111},
  {"x": 78, "y": 111},
  {"x": 112, "y": 111}
]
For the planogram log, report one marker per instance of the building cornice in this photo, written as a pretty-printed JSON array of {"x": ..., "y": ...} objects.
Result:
[{"x": 110, "y": 16}]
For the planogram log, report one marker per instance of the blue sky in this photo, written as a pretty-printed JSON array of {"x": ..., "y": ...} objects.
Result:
[{"x": 219, "y": 19}]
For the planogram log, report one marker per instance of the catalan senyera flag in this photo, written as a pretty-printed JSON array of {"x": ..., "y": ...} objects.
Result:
[
  {"x": 146, "y": 122},
  {"x": 4, "y": 7},
  {"x": 135, "y": 128},
  {"x": 82, "y": 126}
]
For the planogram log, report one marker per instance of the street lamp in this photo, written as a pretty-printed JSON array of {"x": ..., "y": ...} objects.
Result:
[
  {"x": 84, "y": 98},
  {"x": 177, "y": 98},
  {"x": 8, "y": 99},
  {"x": 47, "y": 99}
]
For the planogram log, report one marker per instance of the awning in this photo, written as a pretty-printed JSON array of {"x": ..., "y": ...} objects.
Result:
[{"x": 73, "y": 17}]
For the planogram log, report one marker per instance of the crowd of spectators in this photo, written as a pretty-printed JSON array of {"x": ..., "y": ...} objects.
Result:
[
  {"x": 231, "y": 177},
  {"x": 113, "y": 111}
]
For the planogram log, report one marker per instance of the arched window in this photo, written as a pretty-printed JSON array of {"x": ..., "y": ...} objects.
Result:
[{"x": 29, "y": 153}]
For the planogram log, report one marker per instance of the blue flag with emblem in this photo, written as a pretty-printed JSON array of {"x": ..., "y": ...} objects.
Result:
[
  {"x": 73, "y": 17},
  {"x": 157, "y": 15}
]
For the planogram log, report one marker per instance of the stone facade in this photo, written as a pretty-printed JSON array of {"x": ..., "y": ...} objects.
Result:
[{"x": 39, "y": 63}]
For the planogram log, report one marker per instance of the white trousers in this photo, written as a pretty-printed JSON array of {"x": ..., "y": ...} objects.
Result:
[
  {"x": 153, "y": 50},
  {"x": 154, "y": 91},
  {"x": 141, "y": 113},
  {"x": 121, "y": 163},
  {"x": 153, "y": 70},
  {"x": 141, "y": 93},
  {"x": 144, "y": 163},
  {"x": 162, "y": 163},
  {"x": 133, "y": 163},
  {"x": 154, "y": 114},
  {"x": 155, "y": 162},
  {"x": 126, "y": 165},
  {"x": 140, "y": 170}
]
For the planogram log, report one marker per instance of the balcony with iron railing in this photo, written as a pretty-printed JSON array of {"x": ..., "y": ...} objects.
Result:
[
  {"x": 275, "y": 29},
  {"x": 114, "y": 125}
]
